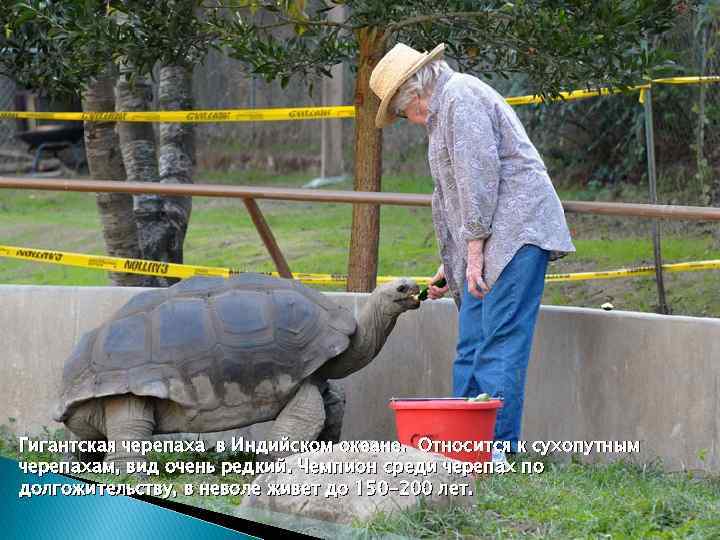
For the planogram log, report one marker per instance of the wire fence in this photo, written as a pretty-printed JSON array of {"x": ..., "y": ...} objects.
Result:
[{"x": 7, "y": 102}]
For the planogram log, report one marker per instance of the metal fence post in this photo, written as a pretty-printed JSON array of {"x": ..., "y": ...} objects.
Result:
[{"x": 652, "y": 177}]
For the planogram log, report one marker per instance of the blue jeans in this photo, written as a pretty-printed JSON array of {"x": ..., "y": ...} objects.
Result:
[{"x": 495, "y": 335}]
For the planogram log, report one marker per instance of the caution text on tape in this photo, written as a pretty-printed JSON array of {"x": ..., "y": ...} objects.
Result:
[
  {"x": 155, "y": 268},
  {"x": 219, "y": 115},
  {"x": 306, "y": 113}
]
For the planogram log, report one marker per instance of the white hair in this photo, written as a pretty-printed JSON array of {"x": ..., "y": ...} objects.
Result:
[{"x": 420, "y": 83}]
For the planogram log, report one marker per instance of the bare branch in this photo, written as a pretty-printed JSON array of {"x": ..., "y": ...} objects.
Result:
[
  {"x": 309, "y": 22},
  {"x": 419, "y": 19},
  {"x": 288, "y": 20}
]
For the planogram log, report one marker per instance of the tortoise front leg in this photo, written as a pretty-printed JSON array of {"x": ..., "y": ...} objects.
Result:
[
  {"x": 302, "y": 419},
  {"x": 128, "y": 418}
]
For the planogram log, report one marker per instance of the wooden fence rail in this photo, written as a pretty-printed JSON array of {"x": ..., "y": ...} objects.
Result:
[
  {"x": 661, "y": 211},
  {"x": 250, "y": 193}
]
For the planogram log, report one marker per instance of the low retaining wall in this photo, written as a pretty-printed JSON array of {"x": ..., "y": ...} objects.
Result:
[{"x": 594, "y": 375}]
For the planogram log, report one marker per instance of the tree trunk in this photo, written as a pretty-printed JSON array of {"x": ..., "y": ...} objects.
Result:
[
  {"x": 365, "y": 235},
  {"x": 105, "y": 163},
  {"x": 331, "y": 137},
  {"x": 137, "y": 143},
  {"x": 177, "y": 154}
]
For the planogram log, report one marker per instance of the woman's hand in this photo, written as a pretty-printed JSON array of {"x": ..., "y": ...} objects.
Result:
[
  {"x": 437, "y": 292},
  {"x": 474, "y": 275}
]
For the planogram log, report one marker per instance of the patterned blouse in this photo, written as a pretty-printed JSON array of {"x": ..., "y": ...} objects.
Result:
[{"x": 490, "y": 181}]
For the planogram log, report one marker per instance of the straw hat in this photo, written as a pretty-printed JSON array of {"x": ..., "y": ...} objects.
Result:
[{"x": 396, "y": 67}]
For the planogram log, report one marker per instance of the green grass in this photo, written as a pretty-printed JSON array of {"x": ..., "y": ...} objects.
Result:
[
  {"x": 315, "y": 238},
  {"x": 615, "y": 253},
  {"x": 572, "y": 500}
]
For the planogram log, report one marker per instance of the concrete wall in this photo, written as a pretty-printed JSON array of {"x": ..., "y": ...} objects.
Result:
[{"x": 593, "y": 375}]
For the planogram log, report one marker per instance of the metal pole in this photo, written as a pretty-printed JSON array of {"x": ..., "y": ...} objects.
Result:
[{"x": 652, "y": 177}]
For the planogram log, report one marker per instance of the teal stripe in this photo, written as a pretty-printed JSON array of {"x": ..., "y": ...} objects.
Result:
[{"x": 89, "y": 517}]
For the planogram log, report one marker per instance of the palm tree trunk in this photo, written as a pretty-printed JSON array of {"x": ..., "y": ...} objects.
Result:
[
  {"x": 177, "y": 154},
  {"x": 365, "y": 234},
  {"x": 105, "y": 163},
  {"x": 137, "y": 143}
]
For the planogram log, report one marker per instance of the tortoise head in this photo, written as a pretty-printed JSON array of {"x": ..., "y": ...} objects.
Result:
[
  {"x": 376, "y": 321},
  {"x": 397, "y": 296}
]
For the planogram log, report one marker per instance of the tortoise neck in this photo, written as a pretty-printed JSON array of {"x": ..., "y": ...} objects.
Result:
[{"x": 374, "y": 326}]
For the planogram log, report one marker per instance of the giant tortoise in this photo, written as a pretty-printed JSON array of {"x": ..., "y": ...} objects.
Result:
[{"x": 213, "y": 354}]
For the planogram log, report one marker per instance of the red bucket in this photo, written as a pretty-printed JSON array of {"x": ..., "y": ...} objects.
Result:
[{"x": 447, "y": 420}]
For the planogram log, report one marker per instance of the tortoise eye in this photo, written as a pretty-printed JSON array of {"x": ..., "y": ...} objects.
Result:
[{"x": 402, "y": 288}]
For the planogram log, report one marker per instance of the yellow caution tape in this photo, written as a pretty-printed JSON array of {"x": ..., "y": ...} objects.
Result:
[
  {"x": 637, "y": 271},
  {"x": 155, "y": 268},
  {"x": 678, "y": 80},
  {"x": 688, "y": 80},
  {"x": 568, "y": 96},
  {"x": 307, "y": 113},
  {"x": 218, "y": 115},
  {"x": 112, "y": 264},
  {"x": 584, "y": 94}
]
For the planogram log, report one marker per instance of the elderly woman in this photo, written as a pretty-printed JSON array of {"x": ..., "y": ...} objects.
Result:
[{"x": 497, "y": 218}]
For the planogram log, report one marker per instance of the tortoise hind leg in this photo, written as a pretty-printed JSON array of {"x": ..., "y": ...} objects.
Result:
[
  {"x": 334, "y": 398},
  {"x": 128, "y": 418},
  {"x": 302, "y": 419},
  {"x": 87, "y": 423}
]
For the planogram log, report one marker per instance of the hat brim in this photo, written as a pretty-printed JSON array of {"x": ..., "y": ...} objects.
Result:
[{"x": 385, "y": 116}]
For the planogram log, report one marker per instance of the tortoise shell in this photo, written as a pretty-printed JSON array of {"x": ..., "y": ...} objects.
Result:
[{"x": 218, "y": 349}]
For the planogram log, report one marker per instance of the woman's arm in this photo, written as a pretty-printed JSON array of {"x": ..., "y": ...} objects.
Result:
[
  {"x": 472, "y": 146},
  {"x": 435, "y": 292},
  {"x": 474, "y": 272}
]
